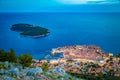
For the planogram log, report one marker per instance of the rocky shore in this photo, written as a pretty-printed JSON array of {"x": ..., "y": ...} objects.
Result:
[{"x": 77, "y": 63}]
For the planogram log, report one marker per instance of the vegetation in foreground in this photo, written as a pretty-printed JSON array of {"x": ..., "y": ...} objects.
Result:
[
  {"x": 14, "y": 67},
  {"x": 10, "y": 56}
]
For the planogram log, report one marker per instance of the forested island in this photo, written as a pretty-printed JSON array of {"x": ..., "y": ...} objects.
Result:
[{"x": 30, "y": 30}]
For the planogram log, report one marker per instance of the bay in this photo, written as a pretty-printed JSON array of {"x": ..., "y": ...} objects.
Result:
[{"x": 100, "y": 29}]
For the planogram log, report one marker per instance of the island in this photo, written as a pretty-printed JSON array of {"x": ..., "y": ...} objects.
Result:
[{"x": 30, "y": 30}]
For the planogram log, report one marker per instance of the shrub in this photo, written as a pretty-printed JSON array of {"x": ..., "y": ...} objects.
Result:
[
  {"x": 25, "y": 60},
  {"x": 2, "y": 55},
  {"x": 11, "y": 56}
]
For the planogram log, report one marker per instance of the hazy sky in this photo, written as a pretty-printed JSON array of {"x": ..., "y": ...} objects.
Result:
[{"x": 60, "y": 5}]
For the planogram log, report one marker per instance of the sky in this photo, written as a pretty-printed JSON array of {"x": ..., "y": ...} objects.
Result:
[{"x": 59, "y": 5}]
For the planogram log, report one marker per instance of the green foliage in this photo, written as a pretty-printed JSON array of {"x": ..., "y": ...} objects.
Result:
[
  {"x": 70, "y": 60},
  {"x": 2, "y": 55},
  {"x": 51, "y": 76},
  {"x": 30, "y": 30},
  {"x": 84, "y": 76},
  {"x": 45, "y": 66},
  {"x": 59, "y": 77},
  {"x": 92, "y": 65},
  {"x": 8, "y": 56},
  {"x": 11, "y": 56},
  {"x": 100, "y": 76},
  {"x": 2, "y": 66},
  {"x": 25, "y": 60}
]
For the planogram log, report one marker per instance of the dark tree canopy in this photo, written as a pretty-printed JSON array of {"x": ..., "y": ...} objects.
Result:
[
  {"x": 11, "y": 56},
  {"x": 8, "y": 56},
  {"x": 25, "y": 60},
  {"x": 2, "y": 55},
  {"x": 30, "y": 30}
]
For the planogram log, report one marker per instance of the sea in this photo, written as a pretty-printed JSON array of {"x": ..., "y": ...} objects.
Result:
[{"x": 66, "y": 29}]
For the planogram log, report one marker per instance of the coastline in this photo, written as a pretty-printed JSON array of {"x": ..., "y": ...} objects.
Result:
[
  {"x": 67, "y": 66},
  {"x": 38, "y": 36}
]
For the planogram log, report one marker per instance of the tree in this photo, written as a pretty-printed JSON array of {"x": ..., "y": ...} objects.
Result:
[
  {"x": 2, "y": 55},
  {"x": 25, "y": 60},
  {"x": 45, "y": 66},
  {"x": 11, "y": 56}
]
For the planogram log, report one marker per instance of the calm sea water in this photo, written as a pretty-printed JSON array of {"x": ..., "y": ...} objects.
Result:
[{"x": 101, "y": 29}]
